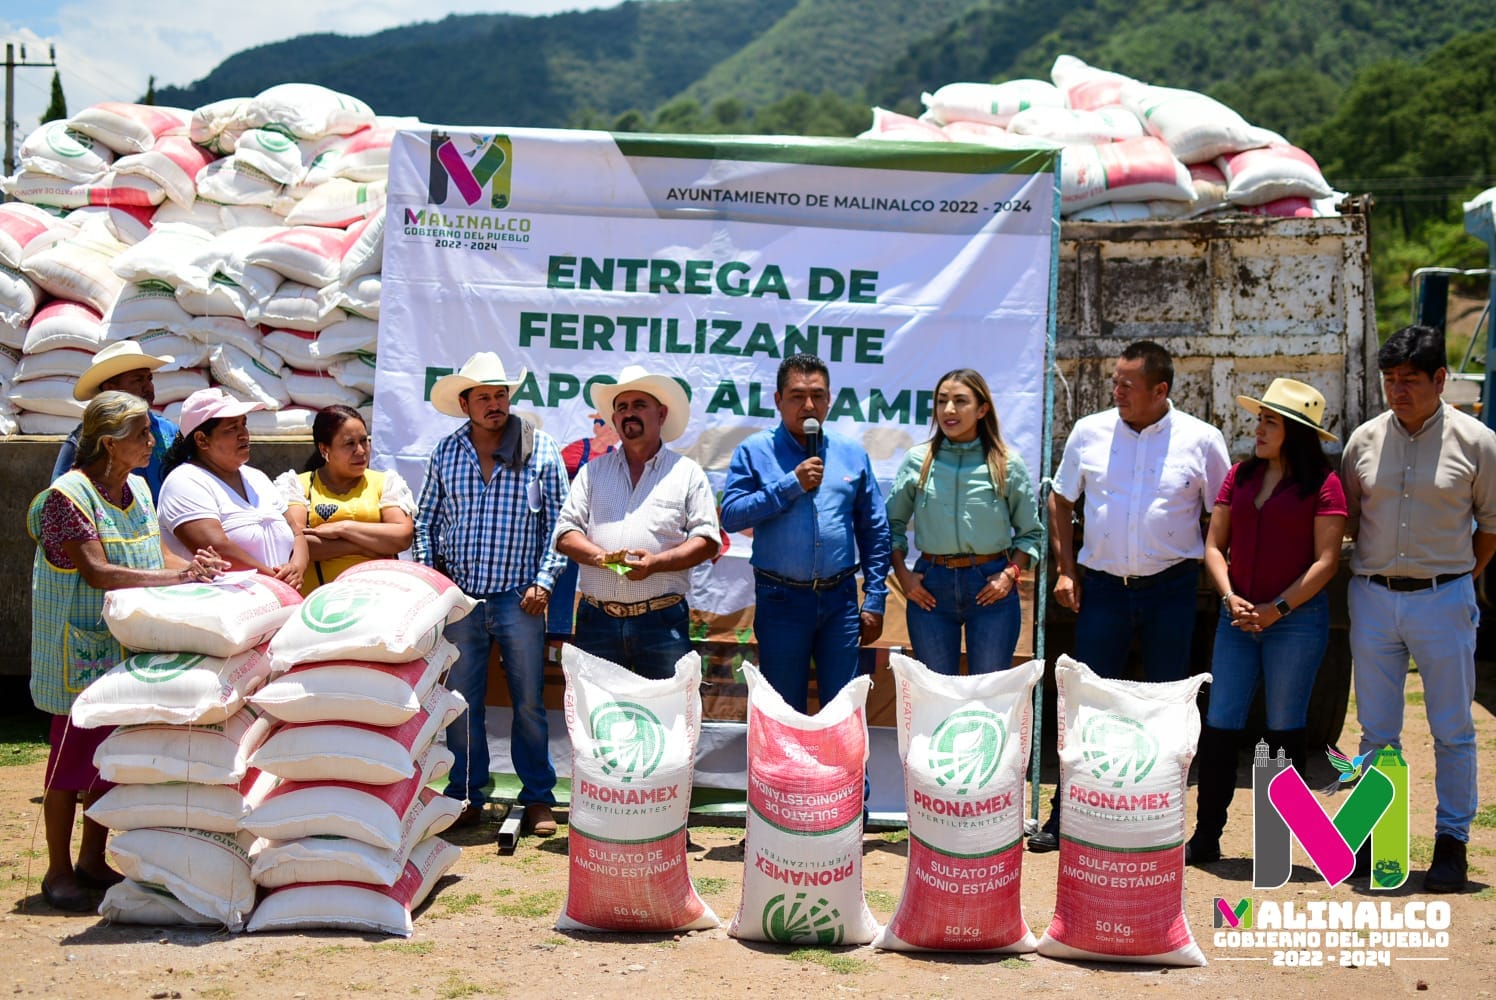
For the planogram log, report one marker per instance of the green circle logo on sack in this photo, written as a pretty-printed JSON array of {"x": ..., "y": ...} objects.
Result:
[
  {"x": 1117, "y": 749},
  {"x": 333, "y": 609},
  {"x": 272, "y": 141},
  {"x": 156, "y": 668},
  {"x": 66, "y": 142},
  {"x": 191, "y": 591},
  {"x": 793, "y": 920},
  {"x": 965, "y": 749},
  {"x": 630, "y": 740}
]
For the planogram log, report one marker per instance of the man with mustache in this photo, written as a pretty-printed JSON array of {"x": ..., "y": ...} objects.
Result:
[
  {"x": 493, "y": 490},
  {"x": 637, "y": 519}
]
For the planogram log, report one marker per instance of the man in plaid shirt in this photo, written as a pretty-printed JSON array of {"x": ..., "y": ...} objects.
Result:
[{"x": 493, "y": 491}]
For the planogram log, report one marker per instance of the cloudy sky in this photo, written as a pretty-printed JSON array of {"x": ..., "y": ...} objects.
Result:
[{"x": 106, "y": 49}]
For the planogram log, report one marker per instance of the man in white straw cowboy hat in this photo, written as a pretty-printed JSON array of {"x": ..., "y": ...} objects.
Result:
[
  {"x": 1420, "y": 484},
  {"x": 636, "y": 521},
  {"x": 126, "y": 368},
  {"x": 493, "y": 490}
]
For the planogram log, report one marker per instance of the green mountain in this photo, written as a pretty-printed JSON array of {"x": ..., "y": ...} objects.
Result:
[{"x": 817, "y": 65}]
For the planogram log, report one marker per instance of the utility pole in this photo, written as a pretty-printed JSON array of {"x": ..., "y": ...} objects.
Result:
[{"x": 10, "y": 97}]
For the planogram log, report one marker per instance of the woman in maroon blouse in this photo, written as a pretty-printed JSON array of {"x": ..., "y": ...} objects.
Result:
[{"x": 1273, "y": 545}]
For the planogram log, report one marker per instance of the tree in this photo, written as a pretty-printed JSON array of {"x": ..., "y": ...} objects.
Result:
[
  {"x": 57, "y": 108},
  {"x": 150, "y": 91}
]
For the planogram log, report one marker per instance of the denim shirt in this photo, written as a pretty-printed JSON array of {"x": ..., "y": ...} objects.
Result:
[{"x": 811, "y": 536}]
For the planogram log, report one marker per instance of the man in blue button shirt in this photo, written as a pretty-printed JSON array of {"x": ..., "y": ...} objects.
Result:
[{"x": 815, "y": 518}]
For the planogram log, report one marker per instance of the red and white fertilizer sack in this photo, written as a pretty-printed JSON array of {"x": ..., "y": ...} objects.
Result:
[
  {"x": 374, "y": 814},
  {"x": 356, "y": 906},
  {"x": 965, "y": 744},
  {"x": 209, "y": 872},
  {"x": 179, "y": 688},
  {"x": 1259, "y": 176},
  {"x": 213, "y": 754},
  {"x": 216, "y": 619},
  {"x": 992, "y": 103},
  {"x": 377, "y": 694},
  {"x": 802, "y": 863},
  {"x": 384, "y": 610},
  {"x": 353, "y": 751},
  {"x": 633, "y": 749},
  {"x": 1125, "y": 752},
  {"x": 1141, "y": 169},
  {"x": 343, "y": 859},
  {"x": 1196, "y": 127}
]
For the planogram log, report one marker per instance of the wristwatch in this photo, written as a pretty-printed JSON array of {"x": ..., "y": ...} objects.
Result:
[{"x": 1282, "y": 607}]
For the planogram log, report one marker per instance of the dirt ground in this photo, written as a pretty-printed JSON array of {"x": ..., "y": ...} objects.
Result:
[{"x": 489, "y": 928}]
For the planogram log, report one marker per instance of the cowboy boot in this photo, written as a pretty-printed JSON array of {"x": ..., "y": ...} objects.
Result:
[{"x": 1217, "y": 786}]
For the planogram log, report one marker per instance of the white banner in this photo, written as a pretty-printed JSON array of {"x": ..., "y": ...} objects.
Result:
[{"x": 573, "y": 254}]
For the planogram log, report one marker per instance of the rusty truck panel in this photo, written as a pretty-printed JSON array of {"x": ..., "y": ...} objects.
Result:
[{"x": 1238, "y": 303}]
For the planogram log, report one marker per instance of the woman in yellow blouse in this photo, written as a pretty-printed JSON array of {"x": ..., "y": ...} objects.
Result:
[{"x": 353, "y": 513}]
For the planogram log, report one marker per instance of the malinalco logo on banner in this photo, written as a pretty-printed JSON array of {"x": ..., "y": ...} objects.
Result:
[{"x": 572, "y": 254}]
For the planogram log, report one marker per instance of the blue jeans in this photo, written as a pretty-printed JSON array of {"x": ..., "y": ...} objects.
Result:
[
  {"x": 1435, "y": 627},
  {"x": 991, "y": 631},
  {"x": 1285, "y": 659},
  {"x": 521, "y": 641},
  {"x": 795, "y": 627},
  {"x": 649, "y": 644},
  {"x": 1161, "y": 616}
]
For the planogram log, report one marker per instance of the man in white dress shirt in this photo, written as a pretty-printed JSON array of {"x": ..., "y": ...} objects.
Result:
[
  {"x": 636, "y": 520},
  {"x": 1149, "y": 473}
]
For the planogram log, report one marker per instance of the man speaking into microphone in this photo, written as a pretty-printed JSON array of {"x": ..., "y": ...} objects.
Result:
[{"x": 817, "y": 517}]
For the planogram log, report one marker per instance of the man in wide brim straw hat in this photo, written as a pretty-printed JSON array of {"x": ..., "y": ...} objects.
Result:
[
  {"x": 491, "y": 497},
  {"x": 637, "y": 519},
  {"x": 123, "y": 367},
  {"x": 1295, "y": 400}
]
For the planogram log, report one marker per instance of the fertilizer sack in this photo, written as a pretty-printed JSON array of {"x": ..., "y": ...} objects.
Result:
[
  {"x": 377, "y": 694},
  {"x": 180, "y": 688},
  {"x": 357, "y": 907},
  {"x": 802, "y": 877},
  {"x": 213, "y": 754},
  {"x": 633, "y": 748},
  {"x": 1125, "y": 752},
  {"x": 384, "y": 610},
  {"x": 964, "y": 742},
  {"x": 207, "y": 871},
  {"x": 215, "y": 619}
]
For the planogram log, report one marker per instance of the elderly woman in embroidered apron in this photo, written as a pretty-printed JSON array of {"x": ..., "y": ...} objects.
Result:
[
  {"x": 95, "y": 530},
  {"x": 350, "y": 512},
  {"x": 212, "y": 496},
  {"x": 971, "y": 503}
]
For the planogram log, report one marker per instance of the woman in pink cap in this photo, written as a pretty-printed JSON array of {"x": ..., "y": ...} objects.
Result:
[{"x": 212, "y": 497}]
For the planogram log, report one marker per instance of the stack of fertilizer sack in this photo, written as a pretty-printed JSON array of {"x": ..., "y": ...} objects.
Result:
[
  {"x": 183, "y": 785},
  {"x": 242, "y": 240},
  {"x": 1129, "y": 150},
  {"x": 347, "y": 839}
]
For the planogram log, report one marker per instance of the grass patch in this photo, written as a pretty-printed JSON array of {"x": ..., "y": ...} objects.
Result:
[
  {"x": 461, "y": 904},
  {"x": 456, "y": 986},
  {"x": 406, "y": 947},
  {"x": 1489, "y": 892},
  {"x": 1013, "y": 963},
  {"x": 880, "y": 899},
  {"x": 331, "y": 949},
  {"x": 894, "y": 836},
  {"x": 1486, "y": 817},
  {"x": 528, "y": 904},
  {"x": 1420, "y": 849},
  {"x": 1415, "y": 698},
  {"x": 23, "y": 740},
  {"x": 842, "y": 965},
  {"x": 708, "y": 885},
  {"x": 218, "y": 992}
]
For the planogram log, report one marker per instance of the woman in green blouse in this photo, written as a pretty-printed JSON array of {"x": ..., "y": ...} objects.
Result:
[{"x": 970, "y": 502}]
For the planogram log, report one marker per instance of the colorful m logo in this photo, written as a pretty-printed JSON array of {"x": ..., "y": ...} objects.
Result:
[
  {"x": 471, "y": 164},
  {"x": 1377, "y": 808},
  {"x": 1238, "y": 918}
]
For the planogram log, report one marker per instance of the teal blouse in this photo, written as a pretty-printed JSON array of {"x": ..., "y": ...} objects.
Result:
[{"x": 959, "y": 511}]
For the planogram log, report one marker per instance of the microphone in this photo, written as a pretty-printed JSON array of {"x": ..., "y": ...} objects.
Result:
[{"x": 812, "y": 431}]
